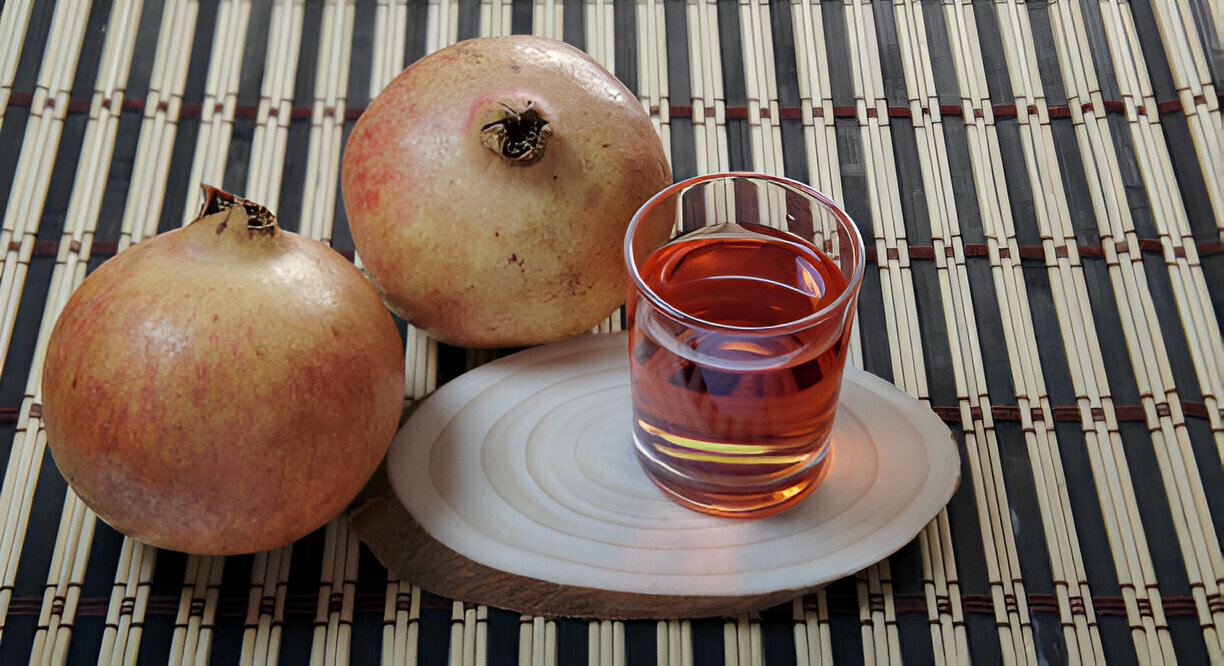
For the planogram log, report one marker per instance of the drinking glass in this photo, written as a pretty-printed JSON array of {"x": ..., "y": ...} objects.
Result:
[{"x": 742, "y": 289}]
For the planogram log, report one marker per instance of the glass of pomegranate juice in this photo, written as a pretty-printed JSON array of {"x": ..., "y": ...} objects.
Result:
[{"x": 741, "y": 299}]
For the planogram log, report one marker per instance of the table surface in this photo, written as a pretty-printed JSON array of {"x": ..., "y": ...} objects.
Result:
[{"x": 1041, "y": 186}]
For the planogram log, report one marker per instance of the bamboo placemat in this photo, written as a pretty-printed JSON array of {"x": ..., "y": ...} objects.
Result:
[{"x": 1041, "y": 185}]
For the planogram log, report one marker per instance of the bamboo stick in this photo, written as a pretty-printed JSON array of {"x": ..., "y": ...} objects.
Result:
[
  {"x": 32, "y": 178},
  {"x": 674, "y": 643},
  {"x": 73, "y": 542},
  {"x": 22, "y": 214},
  {"x": 537, "y": 641},
  {"x": 1153, "y": 373},
  {"x": 1169, "y": 215},
  {"x": 605, "y": 643},
  {"x": 1066, "y": 235},
  {"x": 443, "y": 27},
  {"x": 390, "y": 17},
  {"x": 544, "y": 19},
  {"x": 595, "y": 34},
  {"x": 705, "y": 81},
  {"x": 1197, "y": 93},
  {"x": 192, "y": 638},
  {"x": 899, "y": 298},
  {"x": 820, "y": 130},
  {"x": 265, "y": 606},
  {"x": 457, "y": 647},
  {"x": 959, "y": 311},
  {"x": 1012, "y": 298},
  {"x": 652, "y": 69},
  {"x": 162, "y": 108},
  {"x": 1076, "y": 335},
  {"x": 131, "y": 597},
  {"x": 401, "y": 622},
  {"x": 605, "y": 20},
  {"x": 14, "y": 19},
  {"x": 220, "y": 102},
  {"x": 1055, "y": 510},
  {"x": 867, "y": 89},
  {"x": 760, "y": 84}
]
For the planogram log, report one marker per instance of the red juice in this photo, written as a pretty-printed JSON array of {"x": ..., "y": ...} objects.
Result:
[{"x": 735, "y": 399}]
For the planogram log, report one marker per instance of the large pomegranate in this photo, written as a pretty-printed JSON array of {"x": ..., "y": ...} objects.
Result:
[
  {"x": 489, "y": 186},
  {"x": 223, "y": 388}
]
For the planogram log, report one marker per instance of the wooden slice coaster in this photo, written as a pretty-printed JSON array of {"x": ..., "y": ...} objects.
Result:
[{"x": 516, "y": 486}]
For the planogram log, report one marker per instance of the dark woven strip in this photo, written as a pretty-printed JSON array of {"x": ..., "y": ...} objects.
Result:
[
  {"x": 1070, "y": 413},
  {"x": 106, "y": 249},
  {"x": 951, "y": 413},
  {"x": 1001, "y": 111},
  {"x": 300, "y": 607}
]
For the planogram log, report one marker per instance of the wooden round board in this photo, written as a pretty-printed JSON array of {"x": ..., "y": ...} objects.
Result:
[{"x": 516, "y": 486}]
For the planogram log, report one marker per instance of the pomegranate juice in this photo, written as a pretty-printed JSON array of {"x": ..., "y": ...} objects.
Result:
[{"x": 733, "y": 405}]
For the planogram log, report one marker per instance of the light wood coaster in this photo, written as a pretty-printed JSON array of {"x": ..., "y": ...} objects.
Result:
[{"x": 516, "y": 485}]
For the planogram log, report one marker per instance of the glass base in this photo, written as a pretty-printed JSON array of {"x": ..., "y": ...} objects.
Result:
[{"x": 740, "y": 502}]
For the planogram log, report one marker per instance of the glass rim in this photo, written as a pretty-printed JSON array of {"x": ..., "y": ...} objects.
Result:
[{"x": 858, "y": 251}]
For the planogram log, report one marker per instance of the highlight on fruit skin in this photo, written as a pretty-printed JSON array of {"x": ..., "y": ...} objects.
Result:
[
  {"x": 223, "y": 388},
  {"x": 488, "y": 188}
]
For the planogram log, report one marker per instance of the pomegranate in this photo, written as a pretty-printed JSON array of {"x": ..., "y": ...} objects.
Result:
[
  {"x": 223, "y": 388},
  {"x": 489, "y": 186}
]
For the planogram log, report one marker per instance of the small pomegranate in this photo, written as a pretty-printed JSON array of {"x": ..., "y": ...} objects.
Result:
[
  {"x": 489, "y": 186},
  {"x": 223, "y": 388}
]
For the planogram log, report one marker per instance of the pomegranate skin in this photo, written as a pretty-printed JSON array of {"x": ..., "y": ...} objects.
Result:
[
  {"x": 481, "y": 250},
  {"x": 221, "y": 389}
]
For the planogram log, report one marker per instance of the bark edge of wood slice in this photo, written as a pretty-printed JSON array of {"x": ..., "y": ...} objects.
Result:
[{"x": 482, "y": 500}]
